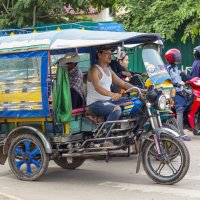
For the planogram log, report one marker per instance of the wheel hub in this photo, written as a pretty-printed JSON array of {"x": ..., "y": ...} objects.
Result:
[{"x": 27, "y": 158}]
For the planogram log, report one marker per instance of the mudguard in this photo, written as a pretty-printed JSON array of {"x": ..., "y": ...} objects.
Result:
[
  {"x": 16, "y": 132},
  {"x": 167, "y": 131}
]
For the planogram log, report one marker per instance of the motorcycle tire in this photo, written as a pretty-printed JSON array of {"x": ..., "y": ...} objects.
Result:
[
  {"x": 27, "y": 157},
  {"x": 167, "y": 160},
  {"x": 66, "y": 163}
]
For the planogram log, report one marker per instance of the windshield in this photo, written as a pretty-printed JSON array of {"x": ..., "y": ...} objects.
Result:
[{"x": 154, "y": 64}]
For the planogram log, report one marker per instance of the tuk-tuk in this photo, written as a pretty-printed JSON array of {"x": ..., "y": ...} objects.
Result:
[{"x": 37, "y": 123}]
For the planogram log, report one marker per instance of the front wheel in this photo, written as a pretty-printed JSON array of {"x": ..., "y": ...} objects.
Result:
[
  {"x": 27, "y": 157},
  {"x": 170, "y": 167}
]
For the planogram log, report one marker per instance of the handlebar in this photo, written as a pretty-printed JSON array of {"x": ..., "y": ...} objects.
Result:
[{"x": 139, "y": 91}]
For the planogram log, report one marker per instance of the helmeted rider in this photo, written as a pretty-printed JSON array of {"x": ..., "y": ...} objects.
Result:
[
  {"x": 195, "y": 72},
  {"x": 174, "y": 57}
]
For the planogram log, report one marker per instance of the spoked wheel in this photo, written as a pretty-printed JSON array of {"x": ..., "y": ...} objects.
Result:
[
  {"x": 171, "y": 166},
  {"x": 27, "y": 157},
  {"x": 69, "y": 163},
  {"x": 171, "y": 123}
]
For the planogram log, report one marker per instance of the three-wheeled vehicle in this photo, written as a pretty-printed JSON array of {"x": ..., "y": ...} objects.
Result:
[{"x": 37, "y": 123}]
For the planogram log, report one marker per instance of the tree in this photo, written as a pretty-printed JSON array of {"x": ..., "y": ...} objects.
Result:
[
  {"x": 25, "y": 13},
  {"x": 166, "y": 17}
]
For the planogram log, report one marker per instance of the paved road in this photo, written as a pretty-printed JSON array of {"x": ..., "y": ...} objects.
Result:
[{"x": 97, "y": 180}]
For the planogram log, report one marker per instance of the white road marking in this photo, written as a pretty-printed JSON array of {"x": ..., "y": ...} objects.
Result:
[
  {"x": 154, "y": 188},
  {"x": 10, "y": 196}
]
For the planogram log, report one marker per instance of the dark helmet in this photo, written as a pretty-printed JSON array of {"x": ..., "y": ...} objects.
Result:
[
  {"x": 173, "y": 56},
  {"x": 196, "y": 52}
]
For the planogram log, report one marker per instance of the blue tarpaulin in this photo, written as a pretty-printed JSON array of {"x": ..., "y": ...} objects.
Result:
[
  {"x": 23, "y": 84},
  {"x": 97, "y": 26}
]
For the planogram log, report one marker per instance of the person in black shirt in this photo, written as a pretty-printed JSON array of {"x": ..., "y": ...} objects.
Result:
[{"x": 119, "y": 65}]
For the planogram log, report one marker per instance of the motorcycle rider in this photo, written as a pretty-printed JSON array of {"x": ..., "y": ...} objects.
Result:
[
  {"x": 100, "y": 99},
  {"x": 174, "y": 57},
  {"x": 195, "y": 72}
]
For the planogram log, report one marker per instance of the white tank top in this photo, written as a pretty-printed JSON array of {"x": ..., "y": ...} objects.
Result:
[{"x": 105, "y": 82}]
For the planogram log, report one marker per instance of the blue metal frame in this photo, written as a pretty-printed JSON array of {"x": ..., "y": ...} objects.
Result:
[{"x": 44, "y": 112}]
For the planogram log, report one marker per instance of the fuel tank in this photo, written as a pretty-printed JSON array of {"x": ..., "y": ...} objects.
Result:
[{"x": 131, "y": 107}]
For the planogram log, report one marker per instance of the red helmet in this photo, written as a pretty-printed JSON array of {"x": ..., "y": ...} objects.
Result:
[{"x": 173, "y": 56}]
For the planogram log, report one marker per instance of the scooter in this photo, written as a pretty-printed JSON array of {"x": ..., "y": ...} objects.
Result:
[{"x": 192, "y": 111}]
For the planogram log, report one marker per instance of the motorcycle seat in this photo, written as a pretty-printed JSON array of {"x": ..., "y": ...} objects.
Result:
[{"x": 95, "y": 119}]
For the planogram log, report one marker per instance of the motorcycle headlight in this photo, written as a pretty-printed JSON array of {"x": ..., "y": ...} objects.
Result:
[{"x": 162, "y": 101}]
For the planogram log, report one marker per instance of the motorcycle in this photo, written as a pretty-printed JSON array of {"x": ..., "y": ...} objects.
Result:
[
  {"x": 140, "y": 127},
  {"x": 191, "y": 116},
  {"x": 38, "y": 124}
]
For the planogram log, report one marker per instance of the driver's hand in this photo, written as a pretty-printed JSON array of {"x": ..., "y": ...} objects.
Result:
[
  {"x": 143, "y": 91},
  {"x": 144, "y": 74},
  {"x": 181, "y": 83},
  {"x": 116, "y": 96}
]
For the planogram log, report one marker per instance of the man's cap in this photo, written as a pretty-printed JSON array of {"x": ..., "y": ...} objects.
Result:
[{"x": 71, "y": 57}]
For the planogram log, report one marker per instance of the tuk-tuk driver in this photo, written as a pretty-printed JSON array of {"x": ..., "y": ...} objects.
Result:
[{"x": 100, "y": 99}]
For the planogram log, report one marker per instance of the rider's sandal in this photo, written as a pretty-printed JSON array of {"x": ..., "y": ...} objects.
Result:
[{"x": 185, "y": 138}]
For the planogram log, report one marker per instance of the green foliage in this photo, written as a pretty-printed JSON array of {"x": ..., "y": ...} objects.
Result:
[
  {"x": 25, "y": 13},
  {"x": 167, "y": 17}
]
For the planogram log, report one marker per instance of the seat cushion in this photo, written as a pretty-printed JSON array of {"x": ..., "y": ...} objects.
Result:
[{"x": 77, "y": 111}]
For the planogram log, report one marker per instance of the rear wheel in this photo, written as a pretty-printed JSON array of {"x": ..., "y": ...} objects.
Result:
[
  {"x": 27, "y": 157},
  {"x": 69, "y": 163},
  {"x": 169, "y": 167}
]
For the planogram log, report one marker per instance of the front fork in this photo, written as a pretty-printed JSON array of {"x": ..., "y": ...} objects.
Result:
[{"x": 156, "y": 123}]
